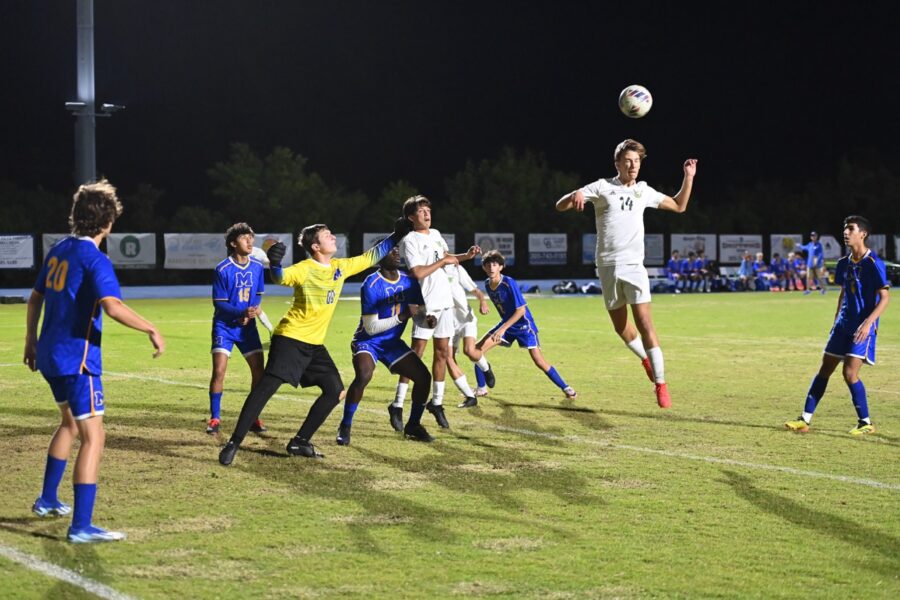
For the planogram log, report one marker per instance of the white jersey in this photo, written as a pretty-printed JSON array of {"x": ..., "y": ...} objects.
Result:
[
  {"x": 460, "y": 283},
  {"x": 619, "y": 211},
  {"x": 260, "y": 255},
  {"x": 421, "y": 250}
]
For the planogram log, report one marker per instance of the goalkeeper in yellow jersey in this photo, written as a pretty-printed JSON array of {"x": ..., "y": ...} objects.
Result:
[{"x": 297, "y": 354}]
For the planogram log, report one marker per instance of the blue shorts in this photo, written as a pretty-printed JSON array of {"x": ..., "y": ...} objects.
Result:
[
  {"x": 83, "y": 394},
  {"x": 388, "y": 352},
  {"x": 525, "y": 336},
  {"x": 225, "y": 337},
  {"x": 841, "y": 344}
]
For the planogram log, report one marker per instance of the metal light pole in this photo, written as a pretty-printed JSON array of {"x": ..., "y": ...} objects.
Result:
[{"x": 84, "y": 108}]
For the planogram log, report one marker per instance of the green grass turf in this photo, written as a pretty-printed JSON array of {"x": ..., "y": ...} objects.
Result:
[{"x": 527, "y": 496}]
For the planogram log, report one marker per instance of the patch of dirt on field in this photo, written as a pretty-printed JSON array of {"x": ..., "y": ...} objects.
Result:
[
  {"x": 404, "y": 481},
  {"x": 627, "y": 484},
  {"x": 480, "y": 588},
  {"x": 191, "y": 525},
  {"x": 515, "y": 544},
  {"x": 512, "y": 467},
  {"x": 372, "y": 520},
  {"x": 226, "y": 570}
]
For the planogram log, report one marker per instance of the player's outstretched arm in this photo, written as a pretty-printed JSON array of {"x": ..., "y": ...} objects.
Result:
[
  {"x": 32, "y": 316},
  {"x": 680, "y": 202},
  {"x": 574, "y": 200},
  {"x": 121, "y": 312}
]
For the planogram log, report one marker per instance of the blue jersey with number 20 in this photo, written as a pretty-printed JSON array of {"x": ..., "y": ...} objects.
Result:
[{"x": 74, "y": 278}]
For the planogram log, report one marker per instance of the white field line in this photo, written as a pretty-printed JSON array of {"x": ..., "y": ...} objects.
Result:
[
  {"x": 57, "y": 572},
  {"x": 574, "y": 438}
]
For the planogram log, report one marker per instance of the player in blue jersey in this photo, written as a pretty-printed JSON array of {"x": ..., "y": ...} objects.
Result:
[
  {"x": 700, "y": 269},
  {"x": 815, "y": 263},
  {"x": 236, "y": 293},
  {"x": 516, "y": 323},
  {"x": 74, "y": 283},
  {"x": 673, "y": 271},
  {"x": 389, "y": 299},
  {"x": 863, "y": 298}
]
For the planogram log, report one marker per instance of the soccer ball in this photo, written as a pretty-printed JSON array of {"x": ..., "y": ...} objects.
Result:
[{"x": 635, "y": 101}]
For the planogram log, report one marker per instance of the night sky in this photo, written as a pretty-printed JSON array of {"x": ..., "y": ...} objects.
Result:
[{"x": 373, "y": 91}]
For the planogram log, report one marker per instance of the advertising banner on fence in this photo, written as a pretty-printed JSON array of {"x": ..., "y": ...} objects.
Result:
[
  {"x": 878, "y": 243},
  {"x": 132, "y": 250},
  {"x": 694, "y": 242},
  {"x": 505, "y": 243},
  {"x": 654, "y": 251},
  {"x": 206, "y": 250},
  {"x": 547, "y": 248},
  {"x": 784, "y": 243},
  {"x": 48, "y": 239},
  {"x": 732, "y": 247},
  {"x": 16, "y": 252},
  {"x": 830, "y": 247}
]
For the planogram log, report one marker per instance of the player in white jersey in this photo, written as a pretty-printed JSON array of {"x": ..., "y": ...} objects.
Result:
[
  {"x": 426, "y": 253},
  {"x": 466, "y": 333},
  {"x": 619, "y": 205}
]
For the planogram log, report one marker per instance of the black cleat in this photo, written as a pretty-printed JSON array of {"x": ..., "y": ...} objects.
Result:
[
  {"x": 417, "y": 432},
  {"x": 258, "y": 427},
  {"x": 301, "y": 447},
  {"x": 226, "y": 456},
  {"x": 343, "y": 436},
  {"x": 489, "y": 378},
  {"x": 438, "y": 411},
  {"x": 396, "y": 413},
  {"x": 469, "y": 402}
]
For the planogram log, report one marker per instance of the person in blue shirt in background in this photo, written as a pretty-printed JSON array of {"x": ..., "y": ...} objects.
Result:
[
  {"x": 389, "y": 298},
  {"x": 815, "y": 263},
  {"x": 797, "y": 270},
  {"x": 745, "y": 273},
  {"x": 863, "y": 298},
  {"x": 236, "y": 293},
  {"x": 74, "y": 283},
  {"x": 516, "y": 323},
  {"x": 673, "y": 270},
  {"x": 700, "y": 268}
]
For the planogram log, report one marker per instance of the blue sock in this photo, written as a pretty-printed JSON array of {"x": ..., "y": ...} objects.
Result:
[
  {"x": 815, "y": 393},
  {"x": 555, "y": 378},
  {"x": 85, "y": 494},
  {"x": 479, "y": 377},
  {"x": 215, "y": 405},
  {"x": 349, "y": 410},
  {"x": 415, "y": 413},
  {"x": 858, "y": 394},
  {"x": 53, "y": 474}
]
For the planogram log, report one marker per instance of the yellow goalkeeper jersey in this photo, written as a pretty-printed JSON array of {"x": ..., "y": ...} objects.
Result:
[{"x": 317, "y": 288}]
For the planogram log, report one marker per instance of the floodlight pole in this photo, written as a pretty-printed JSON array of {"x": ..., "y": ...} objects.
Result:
[{"x": 85, "y": 117}]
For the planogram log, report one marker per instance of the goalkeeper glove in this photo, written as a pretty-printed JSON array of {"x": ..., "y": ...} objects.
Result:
[{"x": 276, "y": 253}]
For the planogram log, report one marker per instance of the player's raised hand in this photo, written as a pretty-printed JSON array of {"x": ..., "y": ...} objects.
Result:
[
  {"x": 276, "y": 253},
  {"x": 402, "y": 226},
  {"x": 473, "y": 251},
  {"x": 690, "y": 167},
  {"x": 577, "y": 200}
]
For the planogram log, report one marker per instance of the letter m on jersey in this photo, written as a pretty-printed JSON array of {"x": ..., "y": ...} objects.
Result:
[{"x": 242, "y": 280}]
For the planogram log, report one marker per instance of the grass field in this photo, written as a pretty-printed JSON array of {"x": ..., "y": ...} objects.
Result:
[{"x": 527, "y": 496}]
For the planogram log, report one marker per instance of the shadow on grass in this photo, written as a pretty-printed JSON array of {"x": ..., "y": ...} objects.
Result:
[{"x": 867, "y": 539}]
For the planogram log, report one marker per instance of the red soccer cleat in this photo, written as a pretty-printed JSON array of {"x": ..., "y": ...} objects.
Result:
[
  {"x": 648, "y": 368},
  {"x": 662, "y": 396}
]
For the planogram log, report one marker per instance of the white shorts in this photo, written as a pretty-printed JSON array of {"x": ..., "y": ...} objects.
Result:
[
  {"x": 623, "y": 284},
  {"x": 464, "y": 330},
  {"x": 446, "y": 324}
]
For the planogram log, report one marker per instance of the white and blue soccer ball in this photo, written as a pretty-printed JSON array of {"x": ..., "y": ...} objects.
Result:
[{"x": 635, "y": 101}]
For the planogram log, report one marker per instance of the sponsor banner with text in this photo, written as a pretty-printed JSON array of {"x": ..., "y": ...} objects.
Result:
[
  {"x": 206, "y": 250},
  {"x": 547, "y": 248},
  {"x": 784, "y": 243},
  {"x": 17, "y": 252},
  {"x": 694, "y": 242},
  {"x": 505, "y": 243},
  {"x": 733, "y": 247},
  {"x": 132, "y": 250}
]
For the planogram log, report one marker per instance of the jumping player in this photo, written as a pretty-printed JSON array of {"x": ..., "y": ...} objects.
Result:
[{"x": 619, "y": 205}]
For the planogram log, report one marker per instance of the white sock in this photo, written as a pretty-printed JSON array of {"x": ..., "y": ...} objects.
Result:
[
  {"x": 437, "y": 393},
  {"x": 400, "y": 395},
  {"x": 806, "y": 417},
  {"x": 463, "y": 384},
  {"x": 264, "y": 319},
  {"x": 483, "y": 363},
  {"x": 656, "y": 361},
  {"x": 637, "y": 346}
]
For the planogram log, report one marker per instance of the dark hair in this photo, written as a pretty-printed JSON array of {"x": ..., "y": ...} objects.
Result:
[
  {"x": 862, "y": 224},
  {"x": 309, "y": 236},
  {"x": 95, "y": 206},
  {"x": 493, "y": 256},
  {"x": 412, "y": 204},
  {"x": 234, "y": 232}
]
